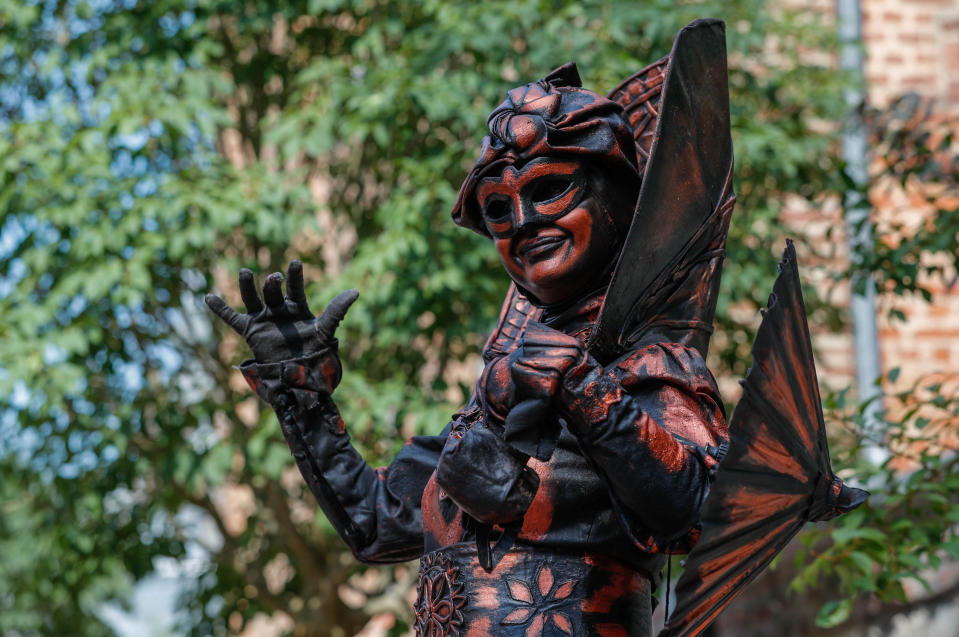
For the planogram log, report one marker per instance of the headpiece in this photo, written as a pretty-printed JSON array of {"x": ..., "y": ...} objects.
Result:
[{"x": 554, "y": 117}]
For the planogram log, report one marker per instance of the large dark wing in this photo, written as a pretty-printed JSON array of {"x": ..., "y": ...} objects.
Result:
[
  {"x": 663, "y": 288},
  {"x": 776, "y": 475}
]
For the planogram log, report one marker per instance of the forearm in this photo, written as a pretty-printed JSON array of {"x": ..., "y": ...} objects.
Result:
[
  {"x": 483, "y": 475},
  {"x": 658, "y": 478},
  {"x": 377, "y": 515},
  {"x": 376, "y": 511}
]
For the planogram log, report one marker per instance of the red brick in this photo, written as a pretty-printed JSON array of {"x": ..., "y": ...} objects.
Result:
[
  {"x": 920, "y": 81},
  {"x": 947, "y": 334}
]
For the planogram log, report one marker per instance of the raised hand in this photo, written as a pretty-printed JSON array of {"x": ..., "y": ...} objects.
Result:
[{"x": 280, "y": 328}]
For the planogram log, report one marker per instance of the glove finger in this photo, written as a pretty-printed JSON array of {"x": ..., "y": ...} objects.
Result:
[
  {"x": 537, "y": 365},
  {"x": 248, "y": 292},
  {"x": 294, "y": 286},
  {"x": 226, "y": 313},
  {"x": 334, "y": 313},
  {"x": 539, "y": 334},
  {"x": 273, "y": 291},
  {"x": 550, "y": 354}
]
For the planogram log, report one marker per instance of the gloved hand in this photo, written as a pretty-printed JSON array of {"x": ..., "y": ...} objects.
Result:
[
  {"x": 537, "y": 369},
  {"x": 542, "y": 360},
  {"x": 282, "y": 328}
]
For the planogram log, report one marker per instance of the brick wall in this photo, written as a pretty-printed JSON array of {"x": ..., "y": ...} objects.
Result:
[{"x": 911, "y": 46}]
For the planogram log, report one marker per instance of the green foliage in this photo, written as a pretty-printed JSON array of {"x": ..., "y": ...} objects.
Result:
[
  {"x": 151, "y": 150},
  {"x": 907, "y": 528},
  {"x": 917, "y": 155}
]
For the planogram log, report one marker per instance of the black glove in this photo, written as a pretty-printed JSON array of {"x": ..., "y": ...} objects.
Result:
[{"x": 282, "y": 328}]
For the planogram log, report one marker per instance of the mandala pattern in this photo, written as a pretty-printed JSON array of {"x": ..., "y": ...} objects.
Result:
[{"x": 439, "y": 598}]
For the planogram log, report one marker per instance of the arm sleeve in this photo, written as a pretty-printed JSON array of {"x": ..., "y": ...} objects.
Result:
[
  {"x": 376, "y": 511},
  {"x": 653, "y": 425}
]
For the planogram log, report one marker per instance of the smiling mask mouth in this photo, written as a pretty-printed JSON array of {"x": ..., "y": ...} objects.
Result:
[{"x": 540, "y": 243}]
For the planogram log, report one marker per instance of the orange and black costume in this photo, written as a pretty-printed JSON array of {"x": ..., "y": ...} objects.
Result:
[{"x": 595, "y": 432}]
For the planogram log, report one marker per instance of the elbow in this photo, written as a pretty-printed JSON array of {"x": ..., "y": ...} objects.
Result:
[
  {"x": 668, "y": 508},
  {"x": 679, "y": 513}
]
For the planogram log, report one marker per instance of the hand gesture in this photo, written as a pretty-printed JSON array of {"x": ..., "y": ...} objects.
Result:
[
  {"x": 280, "y": 328},
  {"x": 542, "y": 360}
]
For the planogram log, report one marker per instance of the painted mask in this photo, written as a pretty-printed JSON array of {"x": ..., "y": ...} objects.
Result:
[
  {"x": 553, "y": 233},
  {"x": 554, "y": 187}
]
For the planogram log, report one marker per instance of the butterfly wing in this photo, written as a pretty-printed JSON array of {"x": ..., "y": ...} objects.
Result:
[
  {"x": 640, "y": 95},
  {"x": 776, "y": 475}
]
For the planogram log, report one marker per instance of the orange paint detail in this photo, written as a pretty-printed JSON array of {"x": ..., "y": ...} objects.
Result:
[
  {"x": 562, "y": 622},
  {"x": 620, "y": 582},
  {"x": 484, "y": 597},
  {"x": 298, "y": 378},
  {"x": 545, "y": 580},
  {"x": 433, "y": 522},
  {"x": 539, "y": 515},
  {"x": 518, "y": 616},
  {"x": 564, "y": 591},
  {"x": 768, "y": 446},
  {"x": 535, "y": 628},
  {"x": 329, "y": 370},
  {"x": 747, "y": 506},
  {"x": 520, "y": 591},
  {"x": 664, "y": 447},
  {"x": 479, "y": 628}
]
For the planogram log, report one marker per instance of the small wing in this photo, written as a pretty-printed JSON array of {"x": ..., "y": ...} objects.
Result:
[
  {"x": 776, "y": 476},
  {"x": 640, "y": 96}
]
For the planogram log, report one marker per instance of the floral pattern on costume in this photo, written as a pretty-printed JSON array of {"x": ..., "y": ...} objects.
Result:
[{"x": 536, "y": 606}]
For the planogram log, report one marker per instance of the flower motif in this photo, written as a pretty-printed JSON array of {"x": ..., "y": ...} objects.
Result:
[
  {"x": 439, "y": 598},
  {"x": 539, "y": 605}
]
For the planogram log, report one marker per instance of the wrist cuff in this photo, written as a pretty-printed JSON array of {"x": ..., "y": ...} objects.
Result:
[{"x": 307, "y": 378}]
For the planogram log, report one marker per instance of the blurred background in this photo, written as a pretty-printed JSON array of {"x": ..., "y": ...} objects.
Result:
[{"x": 148, "y": 150}]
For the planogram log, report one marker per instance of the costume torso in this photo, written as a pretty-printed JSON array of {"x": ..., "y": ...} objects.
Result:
[
  {"x": 625, "y": 482},
  {"x": 579, "y": 560}
]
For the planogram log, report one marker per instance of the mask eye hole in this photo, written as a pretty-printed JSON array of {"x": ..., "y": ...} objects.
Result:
[
  {"x": 550, "y": 188},
  {"x": 497, "y": 209}
]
